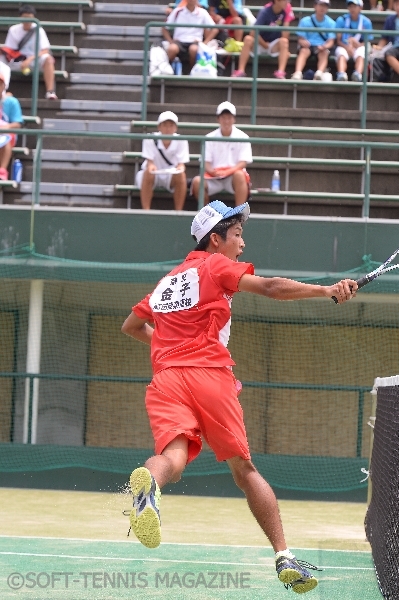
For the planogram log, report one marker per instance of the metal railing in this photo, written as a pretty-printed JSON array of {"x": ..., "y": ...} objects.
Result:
[
  {"x": 367, "y": 34},
  {"x": 367, "y": 147},
  {"x": 31, "y": 419}
]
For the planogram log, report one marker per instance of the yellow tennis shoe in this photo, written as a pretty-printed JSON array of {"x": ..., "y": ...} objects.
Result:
[
  {"x": 294, "y": 574},
  {"x": 144, "y": 518}
]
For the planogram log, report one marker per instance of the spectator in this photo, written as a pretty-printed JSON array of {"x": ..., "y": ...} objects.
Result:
[
  {"x": 315, "y": 43},
  {"x": 271, "y": 43},
  {"x": 203, "y": 3},
  {"x": 19, "y": 38},
  {"x": 391, "y": 24},
  {"x": 185, "y": 39},
  {"x": 225, "y": 162},
  {"x": 348, "y": 46},
  {"x": 164, "y": 155},
  {"x": 10, "y": 117},
  {"x": 229, "y": 12}
]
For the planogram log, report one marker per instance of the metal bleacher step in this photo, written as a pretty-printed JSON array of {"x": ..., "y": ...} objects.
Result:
[
  {"x": 121, "y": 31},
  {"x": 136, "y": 9},
  {"x": 81, "y": 156},
  {"x": 101, "y": 106},
  {"x": 107, "y": 79},
  {"x": 111, "y": 54},
  {"x": 86, "y": 125},
  {"x": 71, "y": 194}
]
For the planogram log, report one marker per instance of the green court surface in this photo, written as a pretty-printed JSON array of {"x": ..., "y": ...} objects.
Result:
[{"x": 35, "y": 568}]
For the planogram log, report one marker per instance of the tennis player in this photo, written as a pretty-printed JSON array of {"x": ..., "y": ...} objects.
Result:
[{"x": 193, "y": 392}]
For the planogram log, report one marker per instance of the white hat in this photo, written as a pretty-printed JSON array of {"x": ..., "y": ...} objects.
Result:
[
  {"x": 5, "y": 74},
  {"x": 322, "y": 2},
  {"x": 226, "y": 106},
  {"x": 212, "y": 213},
  {"x": 168, "y": 115},
  {"x": 357, "y": 2}
]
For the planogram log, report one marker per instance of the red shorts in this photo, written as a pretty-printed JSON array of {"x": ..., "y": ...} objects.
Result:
[{"x": 197, "y": 401}]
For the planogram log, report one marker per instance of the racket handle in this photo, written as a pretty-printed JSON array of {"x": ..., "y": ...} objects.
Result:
[{"x": 360, "y": 283}]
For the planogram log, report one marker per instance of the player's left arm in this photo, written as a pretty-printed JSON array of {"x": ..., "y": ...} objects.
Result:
[
  {"x": 280, "y": 288},
  {"x": 138, "y": 328}
]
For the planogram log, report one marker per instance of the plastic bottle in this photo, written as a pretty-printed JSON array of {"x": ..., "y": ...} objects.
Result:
[
  {"x": 17, "y": 171},
  {"x": 177, "y": 66},
  {"x": 276, "y": 181},
  {"x": 379, "y": 5}
]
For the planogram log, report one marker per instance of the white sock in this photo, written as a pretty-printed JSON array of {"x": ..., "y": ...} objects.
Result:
[{"x": 285, "y": 553}]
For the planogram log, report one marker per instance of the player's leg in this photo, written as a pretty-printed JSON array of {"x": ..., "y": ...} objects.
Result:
[
  {"x": 303, "y": 55},
  {"x": 280, "y": 47},
  {"x": 179, "y": 186},
  {"x": 192, "y": 53},
  {"x": 5, "y": 157},
  {"x": 240, "y": 187},
  {"x": 342, "y": 58},
  {"x": 147, "y": 189},
  {"x": 322, "y": 60},
  {"x": 47, "y": 66},
  {"x": 249, "y": 41},
  {"x": 195, "y": 187}
]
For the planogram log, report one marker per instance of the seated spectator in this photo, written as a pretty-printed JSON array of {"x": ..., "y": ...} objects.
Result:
[
  {"x": 380, "y": 6},
  {"x": 271, "y": 43},
  {"x": 203, "y": 3},
  {"x": 163, "y": 155},
  {"x": 225, "y": 162},
  {"x": 351, "y": 47},
  {"x": 21, "y": 39},
  {"x": 185, "y": 39},
  {"x": 315, "y": 43},
  {"x": 10, "y": 117},
  {"x": 391, "y": 24},
  {"x": 229, "y": 12}
]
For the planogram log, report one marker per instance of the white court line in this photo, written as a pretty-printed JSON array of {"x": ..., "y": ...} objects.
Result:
[
  {"x": 167, "y": 560},
  {"x": 38, "y": 537}
]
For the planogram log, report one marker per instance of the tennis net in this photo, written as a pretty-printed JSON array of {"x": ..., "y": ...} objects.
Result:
[{"x": 382, "y": 519}]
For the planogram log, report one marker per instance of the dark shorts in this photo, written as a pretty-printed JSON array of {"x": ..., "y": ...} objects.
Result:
[
  {"x": 393, "y": 52},
  {"x": 183, "y": 47},
  {"x": 313, "y": 50}
]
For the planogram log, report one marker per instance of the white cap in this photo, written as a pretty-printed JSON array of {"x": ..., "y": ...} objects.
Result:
[
  {"x": 322, "y": 2},
  {"x": 5, "y": 74},
  {"x": 226, "y": 106},
  {"x": 212, "y": 213},
  {"x": 168, "y": 115},
  {"x": 357, "y": 2}
]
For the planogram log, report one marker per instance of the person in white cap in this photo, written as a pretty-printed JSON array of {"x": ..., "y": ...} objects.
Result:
[
  {"x": 193, "y": 393},
  {"x": 351, "y": 46},
  {"x": 164, "y": 165},
  {"x": 225, "y": 162},
  {"x": 10, "y": 117},
  {"x": 315, "y": 43}
]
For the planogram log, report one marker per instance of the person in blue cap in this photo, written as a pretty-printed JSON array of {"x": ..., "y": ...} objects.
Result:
[
  {"x": 351, "y": 47},
  {"x": 194, "y": 393}
]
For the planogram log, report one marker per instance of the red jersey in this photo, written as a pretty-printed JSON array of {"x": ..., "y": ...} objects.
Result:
[{"x": 191, "y": 309}]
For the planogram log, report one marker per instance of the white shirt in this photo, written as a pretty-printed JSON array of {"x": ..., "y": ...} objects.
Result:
[
  {"x": 17, "y": 32},
  {"x": 188, "y": 35},
  {"x": 177, "y": 152},
  {"x": 227, "y": 154}
]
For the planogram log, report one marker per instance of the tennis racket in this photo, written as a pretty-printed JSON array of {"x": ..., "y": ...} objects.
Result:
[{"x": 384, "y": 268}]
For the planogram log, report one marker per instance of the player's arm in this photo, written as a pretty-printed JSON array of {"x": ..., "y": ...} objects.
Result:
[
  {"x": 280, "y": 288},
  {"x": 138, "y": 328}
]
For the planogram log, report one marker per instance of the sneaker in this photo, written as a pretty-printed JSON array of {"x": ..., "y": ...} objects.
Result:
[
  {"x": 356, "y": 76},
  {"x": 318, "y": 75},
  {"x": 239, "y": 73},
  {"x": 144, "y": 518},
  {"x": 3, "y": 174},
  {"x": 279, "y": 74},
  {"x": 297, "y": 75},
  {"x": 51, "y": 95},
  {"x": 294, "y": 573},
  {"x": 341, "y": 76}
]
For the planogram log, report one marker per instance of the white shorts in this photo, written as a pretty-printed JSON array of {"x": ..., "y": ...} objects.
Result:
[
  {"x": 220, "y": 185},
  {"x": 16, "y": 66},
  {"x": 162, "y": 180},
  {"x": 340, "y": 51},
  {"x": 269, "y": 51}
]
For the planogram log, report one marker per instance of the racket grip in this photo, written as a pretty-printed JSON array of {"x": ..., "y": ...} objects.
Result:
[{"x": 360, "y": 283}]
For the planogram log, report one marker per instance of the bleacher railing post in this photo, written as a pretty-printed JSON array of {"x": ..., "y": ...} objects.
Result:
[
  {"x": 37, "y": 163},
  {"x": 201, "y": 195},
  {"x": 254, "y": 90},
  {"x": 35, "y": 76},
  {"x": 145, "y": 73},
  {"x": 367, "y": 180},
  {"x": 364, "y": 79}
]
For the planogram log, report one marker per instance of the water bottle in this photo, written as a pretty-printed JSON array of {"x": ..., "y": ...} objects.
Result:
[
  {"x": 17, "y": 171},
  {"x": 276, "y": 181},
  {"x": 177, "y": 66},
  {"x": 380, "y": 5}
]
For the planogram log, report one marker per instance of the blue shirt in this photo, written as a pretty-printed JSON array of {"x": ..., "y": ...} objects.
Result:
[
  {"x": 11, "y": 110},
  {"x": 267, "y": 16},
  {"x": 392, "y": 23},
  {"x": 314, "y": 37},
  {"x": 345, "y": 22}
]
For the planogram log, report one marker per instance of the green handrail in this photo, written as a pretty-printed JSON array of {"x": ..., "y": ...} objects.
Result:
[
  {"x": 359, "y": 389},
  {"x": 364, "y": 33}
]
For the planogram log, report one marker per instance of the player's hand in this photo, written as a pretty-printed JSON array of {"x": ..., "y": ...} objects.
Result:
[
  {"x": 305, "y": 43},
  {"x": 343, "y": 290},
  {"x": 224, "y": 172}
]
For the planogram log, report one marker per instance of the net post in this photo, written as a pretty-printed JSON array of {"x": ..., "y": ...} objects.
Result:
[{"x": 371, "y": 424}]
